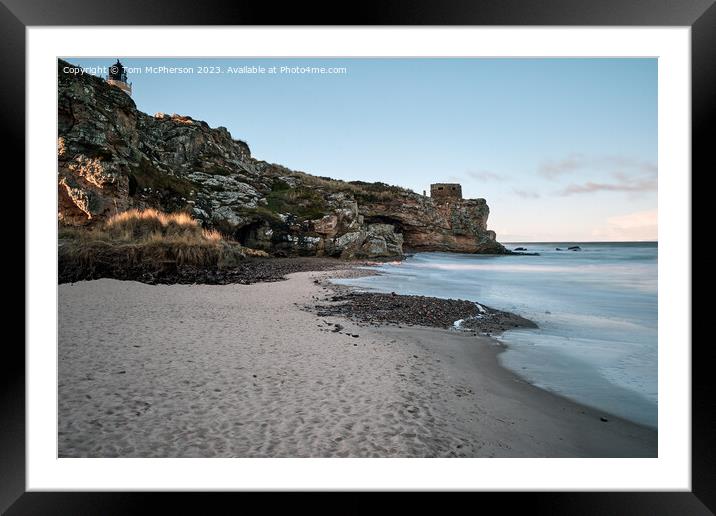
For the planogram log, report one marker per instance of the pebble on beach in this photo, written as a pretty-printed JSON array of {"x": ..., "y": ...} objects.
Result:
[{"x": 395, "y": 309}]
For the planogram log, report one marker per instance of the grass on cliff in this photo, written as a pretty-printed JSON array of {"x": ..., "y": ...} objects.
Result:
[
  {"x": 149, "y": 239},
  {"x": 304, "y": 202},
  {"x": 360, "y": 190},
  {"x": 145, "y": 175}
]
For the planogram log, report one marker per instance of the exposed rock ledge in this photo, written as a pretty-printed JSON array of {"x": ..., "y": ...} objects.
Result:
[{"x": 113, "y": 157}]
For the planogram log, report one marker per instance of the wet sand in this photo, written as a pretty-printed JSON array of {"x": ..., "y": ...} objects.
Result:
[{"x": 246, "y": 371}]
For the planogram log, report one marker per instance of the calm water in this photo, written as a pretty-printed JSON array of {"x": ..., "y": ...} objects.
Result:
[{"x": 596, "y": 309}]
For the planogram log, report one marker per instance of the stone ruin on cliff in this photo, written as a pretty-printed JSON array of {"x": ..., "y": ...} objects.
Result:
[{"x": 446, "y": 191}]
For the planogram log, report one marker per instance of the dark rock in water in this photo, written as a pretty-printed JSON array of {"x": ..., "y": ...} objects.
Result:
[
  {"x": 557, "y": 248},
  {"x": 520, "y": 248},
  {"x": 575, "y": 248},
  {"x": 374, "y": 308},
  {"x": 603, "y": 419}
]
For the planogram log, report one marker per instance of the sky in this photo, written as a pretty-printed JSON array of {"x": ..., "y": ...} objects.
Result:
[{"x": 562, "y": 149}]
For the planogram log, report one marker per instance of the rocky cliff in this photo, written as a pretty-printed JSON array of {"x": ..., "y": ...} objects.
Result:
[{"x": 113, "y": 157}]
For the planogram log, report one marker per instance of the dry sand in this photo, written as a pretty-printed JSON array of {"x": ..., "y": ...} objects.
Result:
[{"x": 243, "y": 371}]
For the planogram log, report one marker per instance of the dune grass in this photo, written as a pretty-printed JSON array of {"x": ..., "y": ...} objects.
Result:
[
  {"x": 152, "y": 225},
  {"x": 149, "y": 239}
]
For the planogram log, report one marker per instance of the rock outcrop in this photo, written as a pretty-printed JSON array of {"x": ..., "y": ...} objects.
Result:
[
  {"x": 112, "y": 157},
  {"x": 430, "y": 225}
]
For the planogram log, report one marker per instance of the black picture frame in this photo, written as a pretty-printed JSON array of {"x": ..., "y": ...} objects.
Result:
[{"x": 16, "y": 15}]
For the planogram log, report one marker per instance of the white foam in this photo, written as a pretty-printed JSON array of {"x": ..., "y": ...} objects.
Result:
[{"x": 597, "y": 315}]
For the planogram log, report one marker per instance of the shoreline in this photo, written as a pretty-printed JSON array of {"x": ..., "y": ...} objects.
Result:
[
  {"x": 489, "y": 348},
  {"x": 578, "y": 420},
  {"x": 590, "y": 346},
  {"x": 140, "y": 376}
]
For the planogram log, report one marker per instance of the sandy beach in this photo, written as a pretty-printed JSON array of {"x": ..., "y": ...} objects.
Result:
[{"x": 246, "y": 371}]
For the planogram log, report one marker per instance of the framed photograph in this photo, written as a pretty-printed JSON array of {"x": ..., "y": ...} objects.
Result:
[{"x": 431, "y": 248}]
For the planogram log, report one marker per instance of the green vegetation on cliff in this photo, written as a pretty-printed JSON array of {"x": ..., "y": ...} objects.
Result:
[{"x": 113, "y": 158}]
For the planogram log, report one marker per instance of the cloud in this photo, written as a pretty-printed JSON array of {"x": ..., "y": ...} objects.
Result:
[
  {"x": 526, "y": 194},
  {"x": 623, "y": 184},
  {"x": 625, "y": 162},
  {"x": 552, "y": 169},
  {"x": 641, "y": 225},
  {"x": 485, "y": 175}
]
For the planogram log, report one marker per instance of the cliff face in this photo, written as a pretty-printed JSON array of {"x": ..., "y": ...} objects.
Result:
[
  {"x": 427, "y": 225},
  {"x": 113, "y": 157}
]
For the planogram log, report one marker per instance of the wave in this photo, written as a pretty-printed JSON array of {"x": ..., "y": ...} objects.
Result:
[{"x": 597, "y": 312}]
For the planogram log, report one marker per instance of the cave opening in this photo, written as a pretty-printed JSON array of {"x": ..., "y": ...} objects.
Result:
[
  {"x": 247, "y": 234},
  {"x": 382, "y": 219},
  {"x": 133, "y": 185}
]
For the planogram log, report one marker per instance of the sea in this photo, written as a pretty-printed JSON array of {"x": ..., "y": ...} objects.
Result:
[{"x": 596, "y": 309}]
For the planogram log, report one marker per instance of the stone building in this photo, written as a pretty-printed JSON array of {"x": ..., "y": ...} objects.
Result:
[
  {"x": 446, "y": 191},
  {"x": 117, "y": 76}
]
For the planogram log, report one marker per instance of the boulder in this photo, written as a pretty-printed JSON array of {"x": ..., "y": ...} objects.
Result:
[
  {"x": 225, "y": 216},
  {"x": 327, "y": 225},
  {"x": 376, "y": 241}
]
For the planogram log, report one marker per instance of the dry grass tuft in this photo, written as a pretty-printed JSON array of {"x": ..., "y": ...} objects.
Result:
[
  {"x": 151, "y": 224},
  {"x": 148, "y": 238},
  {"x": 211, "y": 235}
]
